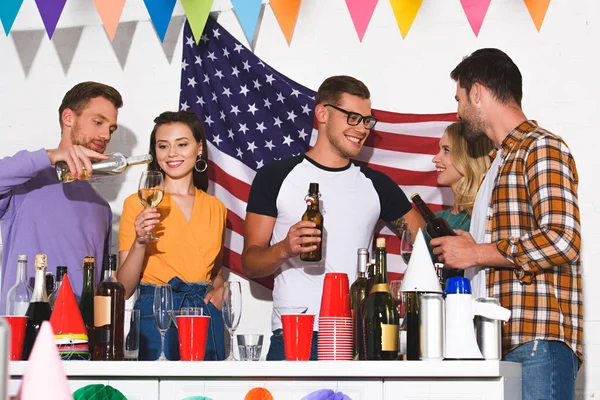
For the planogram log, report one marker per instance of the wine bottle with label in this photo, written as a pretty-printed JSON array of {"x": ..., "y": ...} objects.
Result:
[
  {"x": 358, "y": 292},
  {"x": 381, "y": 320},
  {"x": 19, "y": 295},
  {"x": 39, "y": 308},
  {"x": 116, "y": 164},
  {"x": 86, "y": 302},
  {"x": 109, "y": 314},
  {"x": 313, "y": 214}
]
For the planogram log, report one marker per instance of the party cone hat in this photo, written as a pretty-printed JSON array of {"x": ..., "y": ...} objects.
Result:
[
  {"x": 420, "y": 274},
  {"x": 66, "y": 319},
  {"x": 44, "y": 377}
]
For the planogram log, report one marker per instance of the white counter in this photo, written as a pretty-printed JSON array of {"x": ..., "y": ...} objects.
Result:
[{"x": 360, "y": 380}]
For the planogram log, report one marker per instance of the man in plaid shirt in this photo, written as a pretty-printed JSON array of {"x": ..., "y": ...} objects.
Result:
[{"x": 525, "y": 233}]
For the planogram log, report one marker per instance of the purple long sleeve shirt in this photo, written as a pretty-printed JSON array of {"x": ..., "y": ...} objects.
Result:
[{"x": 40, "y": 215}]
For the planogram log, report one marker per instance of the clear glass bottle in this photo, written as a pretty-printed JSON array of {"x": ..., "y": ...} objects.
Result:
[
  {"x": 116, "y": 164},
  {"x": 39, "y": 308},
  {"x": 19, "y": 296},
  {"x": 358, "y": 292},
  {"x": 109, "y": 315}
]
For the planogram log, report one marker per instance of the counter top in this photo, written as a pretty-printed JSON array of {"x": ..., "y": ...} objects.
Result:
[{"x": 297, "y": 369}]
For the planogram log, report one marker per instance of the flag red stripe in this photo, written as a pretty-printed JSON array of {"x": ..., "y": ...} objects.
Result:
[
  {"x": 235, "y": 223},
  {"x": 403, "y": 143},
  {"x": 236, "y": 187},
  {"x": 395, "y": 118}
]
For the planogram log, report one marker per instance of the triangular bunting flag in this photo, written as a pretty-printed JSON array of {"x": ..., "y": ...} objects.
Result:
[
  {"x": 50, "y": 11},
  {"x": 27, "y": 44},
  {"x": 172, "y": 36},
  {"x": 249, "y": 13},
  {"x": 160, "y": 12},
  {"x": 286, "y": 12},
  {"x": 110, "y": 12},
  {"x": 405, "y": 12},
  {"x": 197, "y": 12},
  {"x": 65, "y": 42},
  {"x": 475, "y": 11},
  {"x": 361, "y": 12},
  {"x": 537, "y": 10},
  {"x": 123, "y": 39},
  {"x": 44, "y": 377},
  {"x": 8, "y": 12}
]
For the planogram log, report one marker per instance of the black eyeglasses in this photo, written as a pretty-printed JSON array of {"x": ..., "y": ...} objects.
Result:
[{"x": 355, "y": 118}]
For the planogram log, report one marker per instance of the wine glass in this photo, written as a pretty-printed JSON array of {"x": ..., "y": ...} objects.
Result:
[
  {"x": 406, "y": 244},
  {"x": 163, "y": 305},
  {"x": 232, "y": 311},
  {"x": 150, "y": 192}
]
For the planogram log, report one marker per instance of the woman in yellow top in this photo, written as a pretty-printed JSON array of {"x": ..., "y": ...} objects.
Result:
[{"x": 190, "y": 225}]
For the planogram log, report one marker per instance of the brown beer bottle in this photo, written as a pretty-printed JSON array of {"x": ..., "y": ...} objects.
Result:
[
  {"x": 313, "y": 214},
  {"x": 436, "y": 226}
]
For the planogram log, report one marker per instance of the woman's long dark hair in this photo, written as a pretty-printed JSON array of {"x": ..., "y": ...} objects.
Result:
[{"x": 191, "y": 120}]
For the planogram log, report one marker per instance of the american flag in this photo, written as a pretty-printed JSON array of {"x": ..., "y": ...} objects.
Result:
[{"x": 254, "y": 115}]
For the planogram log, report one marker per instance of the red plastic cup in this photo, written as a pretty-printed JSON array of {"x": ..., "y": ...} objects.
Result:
[
  {"x": 297, "y": 336},
  {"x": 335, "y": 301},
  {"x": 193, "y": 331},
  {"x": 17, "y": 335}
]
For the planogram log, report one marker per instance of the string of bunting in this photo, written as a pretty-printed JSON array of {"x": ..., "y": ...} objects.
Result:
[{"x": 249, "y": 14}]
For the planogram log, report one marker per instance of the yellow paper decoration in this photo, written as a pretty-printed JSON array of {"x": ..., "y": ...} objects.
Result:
[{"x": 405, "y": 12}]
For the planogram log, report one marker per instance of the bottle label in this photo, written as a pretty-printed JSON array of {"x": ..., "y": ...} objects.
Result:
[
  {"x": 380, "y": 287},
  {"x": 101, "y": 311},
  {"x": 389, "y": 337}
]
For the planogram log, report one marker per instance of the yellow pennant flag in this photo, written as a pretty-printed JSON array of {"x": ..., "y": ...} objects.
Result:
[
  {"x": 537, "y": 10},
  {"x": 197, "y": 12},
  {"x": 286, "y": 12},
  {"x": 405, "y": 12},
  {"x": 110, "y": 13}
]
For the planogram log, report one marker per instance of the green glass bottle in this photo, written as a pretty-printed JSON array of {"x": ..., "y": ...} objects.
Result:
[
  {"x": 381, "y": 320},
  {"x": 86, "y": 303}
]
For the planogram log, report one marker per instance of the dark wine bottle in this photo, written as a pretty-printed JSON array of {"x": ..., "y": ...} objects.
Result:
[
  {"x": 381, "y": 320},
  {"x": 39, "y": 308},
  {"x": 413, "y": 327},
  {"x": 358, "y": 292},
  {"x": 362, "y": 355},
  {"x": 86, "y": 302},
  {"x": 436, "y": 226},
  {"x": 313, "y": 214},
  {"x": 109, "y": 314}
]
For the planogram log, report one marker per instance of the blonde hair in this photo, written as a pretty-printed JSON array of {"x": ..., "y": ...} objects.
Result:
[{"x": 472, "y": 160}]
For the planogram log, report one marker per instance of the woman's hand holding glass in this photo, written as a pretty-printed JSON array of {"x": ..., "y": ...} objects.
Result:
[{"x": 144, "y": 223}]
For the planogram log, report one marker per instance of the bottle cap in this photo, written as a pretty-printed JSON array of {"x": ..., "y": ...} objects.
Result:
[
  {"x": 458, "y": 285},
  {"x": 363, "y": 251},
  {"x": 22, "y": 257},
  {"x": 313, "y": 188},
  {"x": 61, "y": 270},
  {"x": 414, "y": 195},
  {"x": 380, "y": 242}
]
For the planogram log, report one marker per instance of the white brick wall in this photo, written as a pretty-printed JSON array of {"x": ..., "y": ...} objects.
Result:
[{"x": 558, "y": 64}]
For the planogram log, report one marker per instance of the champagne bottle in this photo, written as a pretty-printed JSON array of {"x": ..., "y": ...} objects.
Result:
[
  {"x": 19, "y": 295},
  {"x": 436, "y": 226},
  {"x": 313, "y": 214},
  {"x": 86, "y": 302},
  {"x": 39, "y": 308},
  {"x": 358, "y": 292},
  {"x": 116, "y": 164},
  {"x": 381, "y": 320},
  {"x": 61, "y": 271},
  {"x": 109, "y": 315}
]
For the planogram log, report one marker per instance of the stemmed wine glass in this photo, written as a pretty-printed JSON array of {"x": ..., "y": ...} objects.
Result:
[
  {"x": 406, "y": 244},
  {"x": 163, "y": 306},
  {"x": 150, "y": 192},
  {"x": 232, "y": 311}
]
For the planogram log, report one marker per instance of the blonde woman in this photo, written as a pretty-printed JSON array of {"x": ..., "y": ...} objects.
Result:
[{"x": 460, "y": 165}]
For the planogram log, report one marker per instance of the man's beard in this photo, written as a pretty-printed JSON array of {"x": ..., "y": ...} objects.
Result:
[
  {"x": 472, "y": 133},
  {"x": 78, "y": 138}
]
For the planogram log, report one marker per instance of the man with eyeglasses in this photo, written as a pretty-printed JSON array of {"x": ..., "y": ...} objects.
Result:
[{"x": 353, "y": 199}]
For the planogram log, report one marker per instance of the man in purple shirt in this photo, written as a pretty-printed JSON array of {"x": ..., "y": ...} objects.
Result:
[{"x": 38, "y": 214}]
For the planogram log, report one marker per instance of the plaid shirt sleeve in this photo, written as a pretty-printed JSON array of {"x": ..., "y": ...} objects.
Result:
[{"x": 550, "y": 182}]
